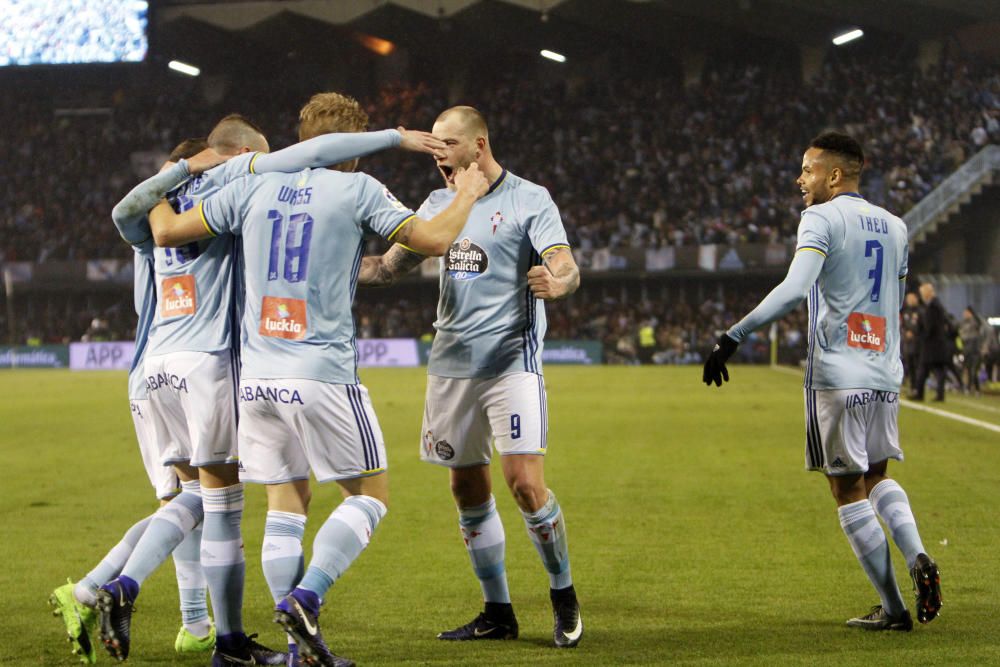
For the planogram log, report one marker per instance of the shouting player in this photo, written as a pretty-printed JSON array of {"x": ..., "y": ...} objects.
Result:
[
  {"x": 484, "y": 382},
  {"x": 302, "y": 407},
  {"x": 851, "y": 264}
]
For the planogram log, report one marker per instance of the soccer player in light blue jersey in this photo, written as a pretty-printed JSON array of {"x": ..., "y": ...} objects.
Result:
[
  {"x": 189, "y": 370},
  {"x": 75, "y": 603},
  {"x": 851, "y": 264},
  {"x": 484, "y": 383},
  {"x": 302, "y": 407}
]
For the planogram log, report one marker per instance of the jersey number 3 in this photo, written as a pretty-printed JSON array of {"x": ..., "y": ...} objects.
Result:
[
  {"x": 875, "y": 275},
  {"x": 297, "y": 240}
]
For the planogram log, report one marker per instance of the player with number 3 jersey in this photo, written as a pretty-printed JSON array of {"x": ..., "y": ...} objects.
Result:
[{"x": 851, "y": 265}]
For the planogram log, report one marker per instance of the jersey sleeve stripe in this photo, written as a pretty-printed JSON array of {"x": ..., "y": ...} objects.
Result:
[
  {"x": 408, "y": 248},
  {"x": 554, "y": 246},
  {"x": 812, "y": 249},
  {"x": 400, "y": 226},
  {"x": 252, "y": 161},
  {"x": 204, "y": 220}
]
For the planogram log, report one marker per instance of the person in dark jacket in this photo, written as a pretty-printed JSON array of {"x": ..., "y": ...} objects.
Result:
[
  {"x": 935, "y": 348},
  {"x": 909, "y": 326}
]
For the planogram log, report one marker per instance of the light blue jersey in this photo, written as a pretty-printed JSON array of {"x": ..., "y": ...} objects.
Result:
[
  {"x": 129, "y": 216},
  {"x": 488, "y": 321},
  {"x": 196, "y": 304},
  {"x": 303, "y": 240},
  {"x": 854, "y": 305},
  {"x": 144, "y": 296}
]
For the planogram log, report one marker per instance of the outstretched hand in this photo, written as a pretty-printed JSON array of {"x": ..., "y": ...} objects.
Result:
[
  {"x": 472, "y": 181},
  {"x": 715, "y": 366},
  {"x": 419, "y": 142}
]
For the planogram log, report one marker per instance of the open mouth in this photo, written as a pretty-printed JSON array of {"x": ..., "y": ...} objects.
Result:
[{"x": 448, "y": 172}]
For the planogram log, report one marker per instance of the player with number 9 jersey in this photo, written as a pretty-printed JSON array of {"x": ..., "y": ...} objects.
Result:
[{"x": 302, "y": 407}]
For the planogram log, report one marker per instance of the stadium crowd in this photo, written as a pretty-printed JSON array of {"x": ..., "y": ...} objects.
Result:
[
  {"x": 631, "y": 163},
  {"x": 642, "y": 163},
  {"x": 73, "y": 31}
]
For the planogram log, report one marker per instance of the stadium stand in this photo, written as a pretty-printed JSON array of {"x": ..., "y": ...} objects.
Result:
[{"x": 727, "y": 146}]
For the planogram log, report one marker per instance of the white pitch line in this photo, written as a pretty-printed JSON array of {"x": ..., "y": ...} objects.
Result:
[
  {"x": 950, "y": 415},
  {"x": 973, "y": 404},
  {"x": 923, "y": 408}
]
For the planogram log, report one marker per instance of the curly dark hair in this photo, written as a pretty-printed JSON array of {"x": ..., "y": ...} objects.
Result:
[{"x": 844, "y": 147}]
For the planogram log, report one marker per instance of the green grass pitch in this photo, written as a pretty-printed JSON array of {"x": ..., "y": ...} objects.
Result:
[{"x": 696, "y": 537}]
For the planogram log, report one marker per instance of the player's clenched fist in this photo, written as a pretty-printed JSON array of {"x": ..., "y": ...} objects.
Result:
[
  {"x": 472, "y": 181},
  {"x": 544, "y": 285}
]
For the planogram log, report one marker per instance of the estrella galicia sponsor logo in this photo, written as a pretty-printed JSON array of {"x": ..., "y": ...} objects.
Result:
[
  {"x": 444, "y": 451},
  {"x": 169, "y": 380},
  {"x": 258, "y": 392},
  {"x": 466, "y": 260},
  {"x": 866, "y": 397}
]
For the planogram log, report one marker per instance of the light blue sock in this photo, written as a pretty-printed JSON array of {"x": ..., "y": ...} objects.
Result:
[
  {"x": 168, "y": 528},
  {"x": 893, "y": 507},
  {"x": 872, "y": 549},
  {"x": 191, "y": 584},
  {"x": 281, "y": 555},
  {"x": 222, "y": 556},
  {"x": 486, "y": 543},
  {"x": 340, "y": 540},
  {"x": 111, "y": 565},
  {"x": 547, "y": 530}
]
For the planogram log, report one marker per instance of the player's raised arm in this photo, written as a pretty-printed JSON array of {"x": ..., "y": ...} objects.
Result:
[
  {"x": 129, "y": 215},
  {"x": 557, "y": 277},
  {"x": 385, "y": 270},
  {"x": 172, "y": 229},
  {"x": 330, "y": 149},
  {"x": 433, "y": 237}
]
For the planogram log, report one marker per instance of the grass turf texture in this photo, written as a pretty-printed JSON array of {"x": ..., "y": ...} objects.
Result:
[{"x": 696, "y": 538}]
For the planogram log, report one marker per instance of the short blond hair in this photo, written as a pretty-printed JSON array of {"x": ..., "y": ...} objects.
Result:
[
  {"x": 472, "y": 120},
  {"x": 235, "y": 132},
  {"x": 331, "y": 112}
]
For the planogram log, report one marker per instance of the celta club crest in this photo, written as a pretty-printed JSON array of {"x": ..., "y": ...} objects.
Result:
[{"x": 496, "y": 219}]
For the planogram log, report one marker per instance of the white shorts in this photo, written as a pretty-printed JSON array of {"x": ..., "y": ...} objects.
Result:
[
  {"x": 289, "y": 427},
  {"x": 849, "y": 429},
  {"x": 163, "y": 478},
  {"x": 464, "y": 416},
  {"x": 193, "y": 401}
]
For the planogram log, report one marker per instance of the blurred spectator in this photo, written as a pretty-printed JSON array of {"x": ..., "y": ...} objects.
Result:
[{"x": 631, "y": 162}]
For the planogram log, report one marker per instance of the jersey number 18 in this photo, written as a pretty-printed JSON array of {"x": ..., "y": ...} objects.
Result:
[{"x": 297, "y": 240}]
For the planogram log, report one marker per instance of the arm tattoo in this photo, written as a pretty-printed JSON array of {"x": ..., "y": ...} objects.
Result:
[
  {"x": 386, "y": 270},
  {"x": 566, "y": 271},
  {"x": 404, "y": 233}
]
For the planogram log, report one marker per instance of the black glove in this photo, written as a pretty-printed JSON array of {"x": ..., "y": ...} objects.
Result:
[{"x": 715, "y": 366}]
